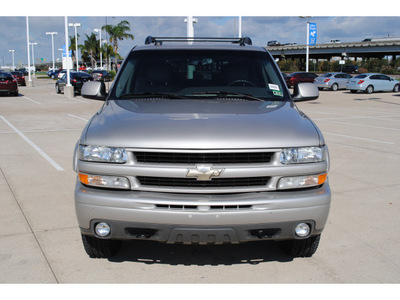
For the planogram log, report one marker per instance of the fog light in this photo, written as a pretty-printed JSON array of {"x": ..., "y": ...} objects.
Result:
[
  {"x": 302, "y": 230},
  {"x": 103, "y": 229}
]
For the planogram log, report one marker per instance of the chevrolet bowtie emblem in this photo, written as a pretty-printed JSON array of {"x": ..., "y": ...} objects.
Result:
[{"x": 204, "y": 172}]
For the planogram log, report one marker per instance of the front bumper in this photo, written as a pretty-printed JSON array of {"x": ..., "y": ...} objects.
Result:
[{"x": 202, "y": 218}]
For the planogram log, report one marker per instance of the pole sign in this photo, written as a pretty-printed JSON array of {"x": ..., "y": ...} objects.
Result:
[
  {"x": 64, "y": 53},
  {"x": 312, "y": 34}
]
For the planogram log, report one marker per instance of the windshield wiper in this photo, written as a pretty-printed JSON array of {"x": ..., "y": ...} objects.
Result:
[
  {"x": 152, "y": 94},
  {"x": 227, "y": 94}
]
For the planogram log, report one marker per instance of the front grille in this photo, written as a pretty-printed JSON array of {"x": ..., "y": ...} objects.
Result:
[
  {"x": 198, "y": 158},
  {"x": 194, "y": 183}
]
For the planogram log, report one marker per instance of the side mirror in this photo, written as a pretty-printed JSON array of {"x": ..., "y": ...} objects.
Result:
[
  {"x": 305, "y": 91},
  {"x": 94, "y": 90}
]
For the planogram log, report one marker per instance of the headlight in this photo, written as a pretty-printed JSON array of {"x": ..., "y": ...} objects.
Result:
[
  {"x": 116, "y": 182},
  {"x": 103, "y": 154},
  {"x": 303, "y": 155}
]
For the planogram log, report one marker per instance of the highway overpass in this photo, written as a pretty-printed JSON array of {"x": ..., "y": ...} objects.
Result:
[{"x": 357, "y": 50}]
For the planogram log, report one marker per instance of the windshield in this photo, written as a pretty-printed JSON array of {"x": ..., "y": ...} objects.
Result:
[{"x": 203, "y": 73}]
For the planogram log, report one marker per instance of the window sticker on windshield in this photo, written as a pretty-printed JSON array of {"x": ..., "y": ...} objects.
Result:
[
  {"x": 273, "y": 87},
  {"x": 278, "y": 93}
]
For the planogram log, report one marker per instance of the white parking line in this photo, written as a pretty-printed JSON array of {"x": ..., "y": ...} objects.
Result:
[
  {"x": 359, "y": 138},
  {"x": 71, "y": 115},
  {"x": 362, "y": 125},
  {"x": 73, "y": 99},
  {"x": 31, "y": 100},
  {"x": 34, "y": 146}
]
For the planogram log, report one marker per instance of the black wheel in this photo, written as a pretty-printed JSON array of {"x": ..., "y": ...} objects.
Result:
[
  {"x": 334, "y": 87},
  {"x": 302, "y": 248},
  {"x": 369, "y": 89},
  {"x": 396, "y": 88},
  {"x": 99, "y": 248},
  {"x": 58, "y": 89}
]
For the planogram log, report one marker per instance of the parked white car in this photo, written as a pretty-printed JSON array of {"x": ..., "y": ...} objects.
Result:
[
  {"x": 333, "y": 81},
  {"x": 373, "y": 82}
]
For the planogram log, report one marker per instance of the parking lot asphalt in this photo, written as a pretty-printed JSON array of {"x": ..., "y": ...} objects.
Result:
[{"x": 40, "y": 241}]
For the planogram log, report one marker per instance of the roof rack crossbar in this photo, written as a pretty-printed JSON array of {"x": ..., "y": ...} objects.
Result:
[{"x": 159, "y": 40}]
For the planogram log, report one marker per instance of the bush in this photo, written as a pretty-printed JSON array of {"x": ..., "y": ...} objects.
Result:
[{"x": 113, "y": 74}]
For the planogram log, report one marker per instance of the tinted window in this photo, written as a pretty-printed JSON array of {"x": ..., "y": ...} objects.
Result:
[
  {"x": 6, "y": 76},
  {"x": 361, "y": 76},
  {"x": 195, "y": 72}
]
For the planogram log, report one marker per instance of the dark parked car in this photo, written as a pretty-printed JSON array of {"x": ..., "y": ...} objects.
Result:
[
  {"x": 8, "y": 84},
  {"x": 101, "y": 75},
  {"x": 53, "y": 73},
  {"x": 77, "y": 79},
  {"x": 23, "y": 70},
  {"x": 19, "y": 76},
  {"x": 298, "y": 77},
  {"x": 349, "y": 69}
]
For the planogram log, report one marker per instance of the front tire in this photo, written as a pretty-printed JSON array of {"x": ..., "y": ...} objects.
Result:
[
  {"x": 302, "y": 248},
  {"x": 99, "y": 248},
  {"x": 396, "y": 88}
]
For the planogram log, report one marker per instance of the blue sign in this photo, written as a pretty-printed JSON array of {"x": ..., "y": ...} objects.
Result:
[
  {"x": 64, "y": 53},
  {"x": 312, "y": 34}
]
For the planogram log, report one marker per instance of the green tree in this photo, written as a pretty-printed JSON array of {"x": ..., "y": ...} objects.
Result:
[
  {"x": 72, "y": 47},
  {"x": 118, "y": 33},
  {"x": 90, "y": 49}
]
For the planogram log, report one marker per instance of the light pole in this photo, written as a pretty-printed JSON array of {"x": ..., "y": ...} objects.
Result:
[
  {"x": 29, "y": 56},
  {"x": 76, "y": 43},
  {"x": 12, "y": 54},
  {"x": 33, "y": 59},
  {"x": 190, "y": 27},
  {"x": 52, "y": 44},
  {"x": 240, "y": 27},
  {"x": 308, "y": 40},
  {"x": 101, "y": 55}
]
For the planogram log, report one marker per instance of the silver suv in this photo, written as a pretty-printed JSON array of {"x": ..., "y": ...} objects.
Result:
[{"x": 199, "y": 142}]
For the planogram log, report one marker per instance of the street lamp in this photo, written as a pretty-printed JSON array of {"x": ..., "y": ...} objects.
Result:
[
  {"x": 76, "y": 42},
  {"x": 52, "y": 44},
  {"x": 29, "y": 56},
  {"x": 12, "y": 53},
  {"x": 308, "y": 40},
  {"x": 33, "y": 59},
  {"x": 101, "y": 55}
]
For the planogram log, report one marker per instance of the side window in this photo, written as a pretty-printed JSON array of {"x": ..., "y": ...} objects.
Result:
[{"x": 374, "y": 77}]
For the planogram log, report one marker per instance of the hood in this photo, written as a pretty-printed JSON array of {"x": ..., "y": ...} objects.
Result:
[{"x": 200, "y": 124}]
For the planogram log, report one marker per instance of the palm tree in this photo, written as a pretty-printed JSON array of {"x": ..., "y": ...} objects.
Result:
[
  {"x": 72, "y": 47},
  {"x": 89, "y": 49},
  {"x": 118, "y": 32}
]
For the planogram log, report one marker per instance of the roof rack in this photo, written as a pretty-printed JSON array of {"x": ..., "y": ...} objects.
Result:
[{"x": 159, "y": 40}]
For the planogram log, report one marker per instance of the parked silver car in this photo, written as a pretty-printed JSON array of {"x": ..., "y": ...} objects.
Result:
[
  {"x": 372, "y": 82},
  {"x": 201, "y": 144},
  {"x": 333, "y": 81}
]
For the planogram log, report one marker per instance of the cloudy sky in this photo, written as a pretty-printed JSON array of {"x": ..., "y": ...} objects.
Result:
[{"x": 261, "y": 20}]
